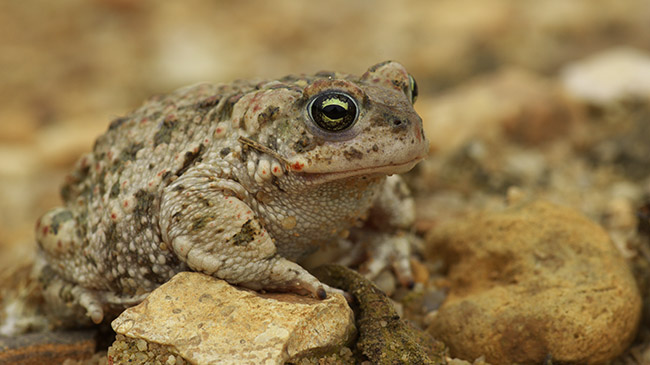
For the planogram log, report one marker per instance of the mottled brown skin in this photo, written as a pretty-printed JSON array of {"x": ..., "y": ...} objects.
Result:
[{"x": 237, "y": 181}]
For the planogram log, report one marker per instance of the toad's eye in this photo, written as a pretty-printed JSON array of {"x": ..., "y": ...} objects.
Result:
[
  {"x": 333, "y": 111},
  {"x": 414, "y": 89}
]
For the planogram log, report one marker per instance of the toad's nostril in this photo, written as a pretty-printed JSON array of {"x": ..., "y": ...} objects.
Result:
[{"x": 399, "y": 123}]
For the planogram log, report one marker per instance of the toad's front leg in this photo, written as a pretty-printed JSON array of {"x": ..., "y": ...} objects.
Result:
[{"x": 208, "y": 226}]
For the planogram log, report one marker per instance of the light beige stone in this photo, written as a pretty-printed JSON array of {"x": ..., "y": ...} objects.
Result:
[
  {"x": 206, "y": 320},
  {"x": 609, "y": 76},
  {"x": 531, "y": 281}
]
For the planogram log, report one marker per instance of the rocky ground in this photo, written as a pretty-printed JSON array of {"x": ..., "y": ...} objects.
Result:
[{"x": 534, "y": 205}]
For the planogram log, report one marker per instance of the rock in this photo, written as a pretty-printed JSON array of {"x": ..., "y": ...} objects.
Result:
[
  {"x": 479, "y": 361},
  {"x": 384, "y": 338},
  {"x": 515, "y": 103},
  {"x": 622, "y": 140},
  {"x": 47, "y": 347},
  {"x": 21, "y": 301},
  {"x": 532, "y": 281},
  {"x": 205, "y": 320},
  {"x": 609, "y": 76},
  {"x": 643, "y": 224},
  {"x": 127, "y": 350}
]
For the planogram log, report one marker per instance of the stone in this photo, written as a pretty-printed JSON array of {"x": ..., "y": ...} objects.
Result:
[
  {"x": 47, "y": 347},
  {"x": 384, "y": 338},
  {"x": 621, "y": 138},
  {"x": 21, "y": 301},
  {"x": 609, "y": 76},
  {"x": 533, "y": 282},
  {"x": 514, "y": 103},
  {"x": 127, "y": 350},
  {"x": 479, "y": 361},
  {"x": 205, "y": 320}
]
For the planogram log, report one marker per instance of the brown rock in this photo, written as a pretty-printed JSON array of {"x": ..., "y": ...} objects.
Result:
[
  {"x": 127, "y": 350},
  {"x": 47, "y": 347},
  {"x": 515, "y": 103},
  {"x": 206, "y": 320},
  {"x": 531, "y": 281},
  {"x": 384, "y": 338}
]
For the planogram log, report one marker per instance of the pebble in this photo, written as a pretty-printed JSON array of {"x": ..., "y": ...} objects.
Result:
[
  {"x": 609, "y": 76},
  {"x": 533, "y": 280}
]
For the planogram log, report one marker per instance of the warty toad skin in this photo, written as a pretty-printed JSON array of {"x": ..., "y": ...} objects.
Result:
[{"x": 239, "y": 181}]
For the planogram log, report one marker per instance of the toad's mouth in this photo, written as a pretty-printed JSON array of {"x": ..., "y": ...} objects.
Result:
[
  {"x": 301, "y": 167},
  {"x": 388, "y": 169}
]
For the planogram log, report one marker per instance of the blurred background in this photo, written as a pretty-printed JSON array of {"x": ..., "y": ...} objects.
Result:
[
  {"x": 68, "y": 67},
  {"x": 546, "y": 98}
]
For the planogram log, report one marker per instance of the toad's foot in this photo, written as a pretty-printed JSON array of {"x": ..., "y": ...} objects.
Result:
[
  {"x": 388, "y": 250},
  {"x": 71, "y": 305},
  {"x": 286, "y": 276}
]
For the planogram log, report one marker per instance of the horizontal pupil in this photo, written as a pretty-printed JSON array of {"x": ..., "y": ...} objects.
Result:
[{"x": 334, "y": 111}]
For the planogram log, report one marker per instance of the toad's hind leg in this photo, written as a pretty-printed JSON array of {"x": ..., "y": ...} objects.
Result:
[
  {"x": 216, "y": 233},
  {"x": 68, "y": 304},
  {"x": 59, "y": 268},
  {"x": 72, "y": 305}
]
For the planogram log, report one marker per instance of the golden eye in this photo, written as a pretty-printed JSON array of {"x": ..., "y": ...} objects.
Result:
[
  {"x": 414, "y": 89},
  {"x": 333, "y": 111}
]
